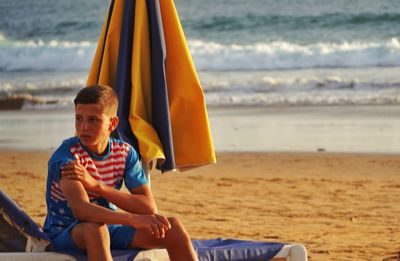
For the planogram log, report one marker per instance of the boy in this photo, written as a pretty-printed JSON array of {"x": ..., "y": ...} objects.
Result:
[{"x": 84, "y": 177}]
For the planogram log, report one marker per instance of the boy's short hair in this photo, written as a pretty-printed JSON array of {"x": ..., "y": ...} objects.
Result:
[{"x": 99, "y": 94}]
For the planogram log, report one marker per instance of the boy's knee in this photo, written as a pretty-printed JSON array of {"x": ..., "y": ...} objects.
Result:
[
  {"x": 178, "y": 230},
  {"x": 85, "y": 233},
  {"x": 175, "y": 222},
  {"x": 90, "y": 229},
  {"x": 93, "y": 227}
]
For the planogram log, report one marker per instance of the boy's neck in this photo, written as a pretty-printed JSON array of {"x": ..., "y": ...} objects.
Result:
[{"x": 99, "y": 150}]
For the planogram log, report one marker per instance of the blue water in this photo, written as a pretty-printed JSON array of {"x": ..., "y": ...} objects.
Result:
[{"x": 247, "y": 52}]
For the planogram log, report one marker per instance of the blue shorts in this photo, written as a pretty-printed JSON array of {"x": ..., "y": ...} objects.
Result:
[{"x": 120, "y": 237}]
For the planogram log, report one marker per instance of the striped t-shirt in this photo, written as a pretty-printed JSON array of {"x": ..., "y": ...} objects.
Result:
[{"x": 119, "y": 165}]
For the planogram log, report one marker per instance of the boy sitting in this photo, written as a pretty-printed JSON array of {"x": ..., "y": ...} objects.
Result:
[{"x": 84, "y": 177}]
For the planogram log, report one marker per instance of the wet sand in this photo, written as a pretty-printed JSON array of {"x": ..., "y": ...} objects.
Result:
[{"x": 372, "y": 129}]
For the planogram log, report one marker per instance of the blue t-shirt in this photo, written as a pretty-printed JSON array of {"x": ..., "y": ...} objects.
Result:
[{"x": 119, "y": 165}]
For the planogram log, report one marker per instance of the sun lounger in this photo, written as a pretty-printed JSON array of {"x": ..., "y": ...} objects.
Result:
[{"x": 22, "y": 239}]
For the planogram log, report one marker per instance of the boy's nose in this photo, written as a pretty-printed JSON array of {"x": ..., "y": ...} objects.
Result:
[{"x": 85, "y": 125}]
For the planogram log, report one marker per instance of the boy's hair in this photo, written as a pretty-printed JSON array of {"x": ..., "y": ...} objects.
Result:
[{"x": 99, "y": 94}]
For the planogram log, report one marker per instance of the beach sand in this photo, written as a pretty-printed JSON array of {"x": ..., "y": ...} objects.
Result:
[{"x": 340, "y": 206}]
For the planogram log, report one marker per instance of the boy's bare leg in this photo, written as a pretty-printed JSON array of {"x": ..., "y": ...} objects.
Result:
[
  {"x": 176, "y": 241},
  {"x": 95, "y": 238}
]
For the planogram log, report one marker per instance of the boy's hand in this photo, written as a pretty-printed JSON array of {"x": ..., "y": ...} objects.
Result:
[
  {"x": 76, "y": 171},
  {"x": 157, "y": 225}
]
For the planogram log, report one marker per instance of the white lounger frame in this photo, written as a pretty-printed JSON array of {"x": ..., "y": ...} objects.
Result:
[{"x": 288, "y": 252}]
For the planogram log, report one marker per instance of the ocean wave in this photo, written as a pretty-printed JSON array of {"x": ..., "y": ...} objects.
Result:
[
  {"x": 366, "y": 86},
  {"x": 328, "y": 98},
  {"x": 29, "y": 102},
  {"x": 71, "y": 56},
  {"x": 212, "y": 56},
  {"x": 372, "y": 86},
  {"x": 265, "y": 85},
  {"x": 37, "y": 55}
]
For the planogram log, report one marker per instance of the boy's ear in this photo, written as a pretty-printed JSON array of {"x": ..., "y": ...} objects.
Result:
[{"x": 113, "y": 123}]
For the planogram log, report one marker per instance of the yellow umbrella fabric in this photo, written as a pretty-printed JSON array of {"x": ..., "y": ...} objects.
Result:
[
  {"x": 190, "y": 126},
  {"x": 191, "y": 136}
]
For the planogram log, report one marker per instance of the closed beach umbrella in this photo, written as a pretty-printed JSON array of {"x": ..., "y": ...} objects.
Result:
[{"x": 142, "y": 53}]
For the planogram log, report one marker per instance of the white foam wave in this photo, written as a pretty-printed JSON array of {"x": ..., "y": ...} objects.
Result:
[
  {"x": 45, "y": 56},
  {"x": 350, "y": 86},
  {"x": 211, "y": 56},
  {"x": 386, "y": 97},
  {"x": 373, "y": 86}
]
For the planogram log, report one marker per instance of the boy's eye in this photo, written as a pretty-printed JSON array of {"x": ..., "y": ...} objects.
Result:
[
  {"x": 93, "y": 120},
  {"x": 90, "y": 120}
]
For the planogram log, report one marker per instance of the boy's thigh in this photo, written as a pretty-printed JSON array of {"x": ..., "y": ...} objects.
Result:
[
  {"x": 120, "y": 238},
  {"x": 63, "y": 242}
]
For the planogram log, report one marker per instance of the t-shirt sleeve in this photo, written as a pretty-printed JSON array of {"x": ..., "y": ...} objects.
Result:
[
  {"x": 60, "y": 157},
  {"x": 134, "y": 175}
]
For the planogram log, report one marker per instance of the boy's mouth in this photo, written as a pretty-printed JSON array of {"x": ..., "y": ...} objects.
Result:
[{"x": 84, "y": 136}]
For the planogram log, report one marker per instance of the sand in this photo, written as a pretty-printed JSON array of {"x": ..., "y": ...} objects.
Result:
[{"x": 340, "y": 206}]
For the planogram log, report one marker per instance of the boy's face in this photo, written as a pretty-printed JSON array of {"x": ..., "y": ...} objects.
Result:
[{"x": 93, "y": 126}]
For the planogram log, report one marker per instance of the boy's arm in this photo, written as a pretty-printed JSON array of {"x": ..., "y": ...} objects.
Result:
[
  {"x": 140, "y": 200},
  {"x": 84, "y": 210}
]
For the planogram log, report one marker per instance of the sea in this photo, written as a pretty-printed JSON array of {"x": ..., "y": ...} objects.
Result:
[{"x": 248, "y": 53}]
